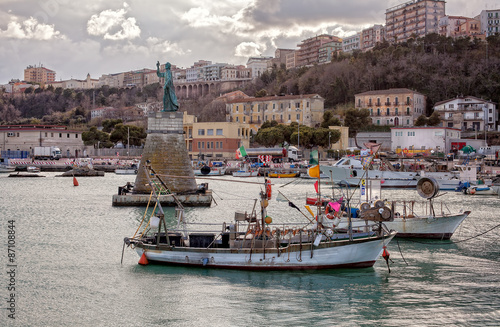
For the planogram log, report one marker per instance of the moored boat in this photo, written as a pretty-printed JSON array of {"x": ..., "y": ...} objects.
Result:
[
  {"x": 253, "y": 242},
  {"x": 283, "y": 175}
]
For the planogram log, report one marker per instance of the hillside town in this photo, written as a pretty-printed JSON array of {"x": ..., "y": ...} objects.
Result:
[{"x": 397, "y": 108}]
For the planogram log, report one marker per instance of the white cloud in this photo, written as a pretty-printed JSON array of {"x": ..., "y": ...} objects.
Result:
[
  {"x": 248, "y": 49},
  {"x": 30, "y": 29},
  {"x": 113, "y": 25}
]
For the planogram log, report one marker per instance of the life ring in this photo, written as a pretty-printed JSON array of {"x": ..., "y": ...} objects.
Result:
[{"x": 268, "y": 189}]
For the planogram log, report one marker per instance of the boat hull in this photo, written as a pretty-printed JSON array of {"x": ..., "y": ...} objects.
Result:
[
  {"x": 245, "y": 173},
  {"x": 359, "y": 253},
  {"x": 440, "y": 227}
]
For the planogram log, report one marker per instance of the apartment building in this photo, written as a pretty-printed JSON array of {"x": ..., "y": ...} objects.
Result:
[
  {"x": 393, "y": 107},
  {"x": 231, "y": 72},
  {"x": 308, "y": 53},
  {"x": 372, "y": 36},
  {"x": 328, "y": 50},
  {"x": 351, "y": 43},
  {"x": 280, "y": 56},
  {"x": 291, "y": 60},
  {"x": 39, "y": 74},
  {"x": 212, "y": 140},
  {"x": 459, "y": 26},
  {"x": 468, "y": 113},
  {"x": 304, "y": 109},
  {"x": 27, "y": 137},
  {"x": 112, "y": 80},
  {"x": 413, "y": 19},
  {"x": 490, "y": 21},
  {"x": 212, "y": 72}
]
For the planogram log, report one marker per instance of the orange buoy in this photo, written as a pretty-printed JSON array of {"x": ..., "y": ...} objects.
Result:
[
  {"x": 75, "y": 182},
  {"x": 143, "y": 260}
]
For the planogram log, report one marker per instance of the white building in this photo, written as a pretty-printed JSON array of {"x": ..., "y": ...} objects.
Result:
[
  {"x": 351, "y": 43},
  {"x": 423, "y": 138},
  {"x": 468, "y": 113},
  {"x": 490, "y": 21},
  {"x": 258, "y": 65}
]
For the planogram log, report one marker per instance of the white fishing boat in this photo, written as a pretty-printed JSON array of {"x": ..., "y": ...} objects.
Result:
[
  {"x": 215, "y": 168},
  {"x": 246, "y": 171},
  {"x": 352, "y": 170},
  {"x": 253, "y": 242},
  {"x": 33, "y": 169},
  {"x": 411, "y": 219},
  {"x": 126, "y": 170}
]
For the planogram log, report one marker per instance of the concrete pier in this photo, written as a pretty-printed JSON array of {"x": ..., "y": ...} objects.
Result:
[{"x": 188, "y": 200}]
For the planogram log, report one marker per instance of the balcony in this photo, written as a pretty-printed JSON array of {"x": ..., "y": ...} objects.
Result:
[{"x": 387, "y": 103}]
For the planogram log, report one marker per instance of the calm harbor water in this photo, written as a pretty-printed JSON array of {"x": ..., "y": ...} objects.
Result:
[{"x": 68, "y": 243}]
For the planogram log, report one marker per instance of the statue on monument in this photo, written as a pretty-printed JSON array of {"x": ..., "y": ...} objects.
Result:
[{"x": 169, "y": 98}]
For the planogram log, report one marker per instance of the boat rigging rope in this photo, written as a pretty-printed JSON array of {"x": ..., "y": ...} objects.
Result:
[{"x": 143, "y": 217}]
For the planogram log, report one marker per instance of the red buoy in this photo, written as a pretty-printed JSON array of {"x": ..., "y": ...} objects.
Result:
[
  {"x": 143, "y": 260},
  {"x": 75, "y": 182}
]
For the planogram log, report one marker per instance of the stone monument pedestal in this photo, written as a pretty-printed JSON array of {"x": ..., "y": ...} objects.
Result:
[{"x": 165, "y": 148}]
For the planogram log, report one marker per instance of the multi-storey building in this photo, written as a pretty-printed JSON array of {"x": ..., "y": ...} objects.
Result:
[
  {"x": 459, "y": 26},
  {"x": 211, "y": 140},
  {"x": 231, "y": 72},
  {"x": 309, "y": 49},
  {"x": 327, "y": 51},
  {"x": 112, "y": 80},
  {"x": 306, "y": 109},
  {"x": 193, "y": 72},
  {"x": 468, "y": 113},
  {"x": 351, "y": 43},
  {"x": 39, "y": 74},
  {"x": 27, "y": 137},
  {"x": 212, "y": 72},
  {"x": 371, "y": 36},
  {"x": 490, "y": 21},
  {"x": 258, "y": 65},
  {"x": 291, "y": 60},
  {"x": 394, "y": 107},
  {"x": 413, "y": 19},
  {"x": 280, "y": 56}
]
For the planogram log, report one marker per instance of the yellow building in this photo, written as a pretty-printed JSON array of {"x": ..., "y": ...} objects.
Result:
[
  {"x": 306, "y": 109},
  {"x": 212, "y": 140},
  {"x": 40, "y": 75},
  {"x": 343, "y": 142}
]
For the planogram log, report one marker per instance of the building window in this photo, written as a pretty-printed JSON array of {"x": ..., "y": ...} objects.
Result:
[
  {"x": 237, "y": 119},
  {"x": 68, "y": 135},
  {"x": 298, "y": 117},
  {"x": 211, "y": 144},
  {"x": 46, "y": 134},
  {"x": 51, "y": 134},
  {"x": 388, "y": 112},
  {"x": 378, "y": 121},
  {"x": 407, "y": 110},
  {"x": 60, "y": 134},
  {"x": 396, "y": 111},
  {"x": 219, "y": 131},
  {"x": 210, "y": 131},
  {"x": 297, "y": 105},
  {"x": 199, "y": 145},
  {"x": 202, "y": 131},
  {"x": 237, "y": 109},
  {"x": 76, "y": 136},
  {"x": 208, "y": 145},
  {"x": 244, "y": 119},
  {"x": 378, "y": 111}
]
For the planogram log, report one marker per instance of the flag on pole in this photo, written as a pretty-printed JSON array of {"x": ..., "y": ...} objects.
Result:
[
  {"x": 314, "y": 158},
  {"x": 314, "y": 171},
  {"x": 241, "y": 152},
  {"x": 281, "y": 197},
  {"x": 316, "y": 184}
]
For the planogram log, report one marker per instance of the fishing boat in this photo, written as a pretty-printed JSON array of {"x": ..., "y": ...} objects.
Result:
[
  {"x": 5, "y": 166},
  {"x": 468, "y": 189},
  {"x": 352, "y": 170},
  {"x": 283, "y": 175},
  {"x": 252, "y": 242},
  {"x": 216, "y": 168},
  {"x": 247, "y": 171},
  {"x": 412, "y": 219}
]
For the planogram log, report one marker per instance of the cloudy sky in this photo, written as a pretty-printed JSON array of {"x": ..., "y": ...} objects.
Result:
[{"x": 102, "y": 37}]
